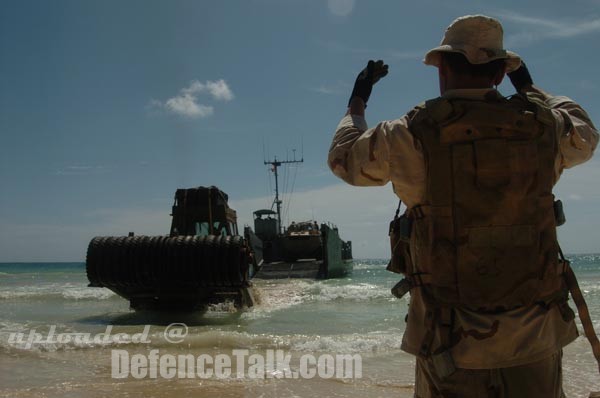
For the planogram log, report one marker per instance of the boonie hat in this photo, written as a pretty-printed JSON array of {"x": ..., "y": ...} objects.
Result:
[{"x": 478, "y": 38}]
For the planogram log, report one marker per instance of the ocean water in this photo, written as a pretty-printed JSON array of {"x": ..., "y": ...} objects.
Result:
[{"x": 353, "y": 315}]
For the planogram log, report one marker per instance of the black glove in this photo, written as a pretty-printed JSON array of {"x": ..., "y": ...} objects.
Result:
[
  {"x": 520, "y": 77},
  {"x": 366, "y": 78}
]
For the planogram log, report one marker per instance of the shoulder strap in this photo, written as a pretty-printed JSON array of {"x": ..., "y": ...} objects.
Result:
[{"x": 398, "y": 209}]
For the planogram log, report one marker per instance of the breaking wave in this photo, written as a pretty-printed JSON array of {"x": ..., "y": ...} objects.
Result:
[
  {"x": 356, "y": 292},
  {"x": 55, "y": 291}
]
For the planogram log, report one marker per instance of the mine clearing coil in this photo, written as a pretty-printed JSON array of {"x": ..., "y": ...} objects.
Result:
[{"x": 158, "y": 261}]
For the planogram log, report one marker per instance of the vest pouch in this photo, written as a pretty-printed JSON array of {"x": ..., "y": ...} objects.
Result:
[
  {"x": 559, "y": 213},
  {"x": 551, "y": 268},
  {"x": 400, "y": 231}
]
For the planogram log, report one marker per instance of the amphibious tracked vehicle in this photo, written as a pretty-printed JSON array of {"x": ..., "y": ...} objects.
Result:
[{"x": 202, "y": 260}]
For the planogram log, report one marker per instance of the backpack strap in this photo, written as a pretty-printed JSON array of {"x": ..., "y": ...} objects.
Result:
[{"x": 398, "y": 209}]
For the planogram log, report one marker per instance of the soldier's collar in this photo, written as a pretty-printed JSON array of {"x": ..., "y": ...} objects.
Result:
[{"x": 473, "y": 93}]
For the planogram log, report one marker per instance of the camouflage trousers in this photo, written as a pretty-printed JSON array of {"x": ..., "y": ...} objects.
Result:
[{"x": 537, "y": 379}]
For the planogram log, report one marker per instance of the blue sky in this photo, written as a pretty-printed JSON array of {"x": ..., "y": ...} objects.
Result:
[{"x": 106, "y": 107}]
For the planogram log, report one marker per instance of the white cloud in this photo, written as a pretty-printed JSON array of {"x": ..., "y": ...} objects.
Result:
[
  {"x": 340, "y": 8},
  {"x": 195, "y": 87},
  {"x": 218, "y": 89},
  {"x": 333, "y": 89},
  {"x": 186, "y": 105},
  {"x": 537, "y": 29},
  {"x": 186, "y": 102}
]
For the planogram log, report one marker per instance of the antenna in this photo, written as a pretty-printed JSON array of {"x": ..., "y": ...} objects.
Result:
[{"x": 275, "y": 165}]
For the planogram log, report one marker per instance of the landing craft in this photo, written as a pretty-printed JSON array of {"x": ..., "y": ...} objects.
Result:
[{"x": 304, "y": 249}]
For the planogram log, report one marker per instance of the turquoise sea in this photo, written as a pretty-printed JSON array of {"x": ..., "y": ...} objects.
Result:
[{"x": 355, "y": 315}]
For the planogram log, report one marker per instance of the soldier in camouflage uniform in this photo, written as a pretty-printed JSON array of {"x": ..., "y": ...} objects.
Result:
[{"x": 488, "y": 313}]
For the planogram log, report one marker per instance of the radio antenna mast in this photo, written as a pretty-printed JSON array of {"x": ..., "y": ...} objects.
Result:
[{"x": 274, "y": 168}]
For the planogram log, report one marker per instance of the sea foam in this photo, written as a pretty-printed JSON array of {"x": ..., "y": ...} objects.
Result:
[{"x": 67, "y": 291}]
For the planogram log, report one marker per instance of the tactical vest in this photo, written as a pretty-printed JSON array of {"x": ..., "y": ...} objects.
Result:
[{"x": 484, "y": 237}]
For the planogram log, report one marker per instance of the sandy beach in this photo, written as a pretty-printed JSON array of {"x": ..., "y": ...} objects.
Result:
[{"x": 354, "y": 315}]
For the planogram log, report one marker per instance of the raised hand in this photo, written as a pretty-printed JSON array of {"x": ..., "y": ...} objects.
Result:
[{"x": 365, "y": 80}]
